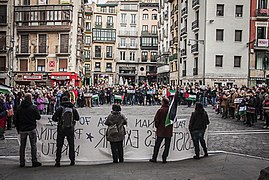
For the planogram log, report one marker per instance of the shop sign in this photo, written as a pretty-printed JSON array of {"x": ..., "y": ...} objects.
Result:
[
  {"x": 60, "y": 77},
  {"x": 32, "y": 77},
  {"x": 223, "y": 80},
  {"x": 52, "y": 64},
  {"x": 262, "y": 42}
]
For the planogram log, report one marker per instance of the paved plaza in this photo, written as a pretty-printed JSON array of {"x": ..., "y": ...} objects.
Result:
[{"x": 236, "y": 152}]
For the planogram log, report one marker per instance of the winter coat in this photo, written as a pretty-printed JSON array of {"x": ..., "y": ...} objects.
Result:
[
  {"x": 26, "y": 116},
  {"x": 159, "y": 121},
  {"x": 40, "y": 103},
  {"x": 199, "y": 121},
  {"x": 120, "y": 120}
]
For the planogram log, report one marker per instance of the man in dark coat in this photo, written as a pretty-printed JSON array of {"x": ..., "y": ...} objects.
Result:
[
  {"x": 197, "y": 126},
  {"x": 162, "y": 132},
  {"x": 26, "y": 117},
  {"x": 63, "y": 132}
]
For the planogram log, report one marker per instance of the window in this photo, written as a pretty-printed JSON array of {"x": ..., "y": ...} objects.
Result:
[
  {"x": 132, "y": 56},
  {"x": 24, "y": 65},
  {"x": 132, "y": 44},
  {"x": 2, "y": 63},
  {"x": 109, "y": 20},
  {"x": 88, "y": 26},
  {"x": 123, "y": 18},
  {"x": 154, "y": 16},
  {"x": 109, "y": 67},
  {"x": 104, "y": 35},
  {"x": 123, "y": 42},
  {"x": 98, "y": 21},
  {"x": 87, "y": 68},
  {"x": 111, "y": 9},
  {"x": 41, "y": 65},
  {"x": 87, "y": 40},
  {"x": 259, "y": 60},
  {"x": 109, "y": 51},
  {"x": 25, "y": 43},
  {"x": 238, "y": 35},
  {"x": 219, "y": 34},
  {"x": 146, "y": 41},
  {"x": 97, "y": 66},
  {"x": 238, "y": 10},
  {"x": 88, "y": 17},
  {"x": 133, "y": 18},
  {"x": 122, "y": 55},
  {"x": 62, "y": 65},
  {"x": 154, "y": 29},
  {"x": 103, "y": 9},
  {"x": 219, "y": 60},
  {"x": 87, "y": 54},
  {"x": 3, "y": 14},
  {"x": 26, "y": 2},
  {"x": 2, "y": 41},
  {"x": 97, "y": 51},
  {"x": 237, "y": 61},
  {"x": 145, "y": 28},
  {"x": 154, "y": 41},
  {"x": 262, "y": 4},
  {"x": 261, "y": 32},
  {"x": 220, "y": 9},
  {"x": 153, "y": 57},
  {"x": 64, "y": 43},
  {"x": 144, "y": 56},
  {"x": 145, "y": 16},
  {"x": 42, "y": 43}
]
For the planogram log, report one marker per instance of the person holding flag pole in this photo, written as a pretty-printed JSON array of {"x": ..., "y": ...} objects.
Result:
[{"x": 163, "y": 120}]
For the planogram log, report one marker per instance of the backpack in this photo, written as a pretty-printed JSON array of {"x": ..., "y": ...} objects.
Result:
[
  {"x": 112, "y": 130},
  {"x": 67, "y": 118}
]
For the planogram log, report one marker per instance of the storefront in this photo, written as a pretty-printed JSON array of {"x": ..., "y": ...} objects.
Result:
[
  {"x": 65, "y": 79},
  {"x": 30, "y": 79}
]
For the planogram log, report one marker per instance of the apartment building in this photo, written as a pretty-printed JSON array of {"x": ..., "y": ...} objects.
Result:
[
  {"x": 128, "y": 49},
  {"x": 258, "y": 43},
  {"x": 174, "y": 40},
  {"x": 88, "y": 44},
  {"x": 147, "y": 68},
  {"x": 213, "y": 37},
  {"x": 104, "y": 20},
  {"x": 48, "y": 42},
  {"x": 6, "y": 41},
  {"x": 163, "y": 72}
]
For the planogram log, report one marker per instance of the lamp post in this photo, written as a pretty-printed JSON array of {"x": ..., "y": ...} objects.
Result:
[{"x": 197, "y": 41}]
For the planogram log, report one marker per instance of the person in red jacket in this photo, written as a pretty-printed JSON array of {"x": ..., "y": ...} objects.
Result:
[{"x": 162, "y": 131}]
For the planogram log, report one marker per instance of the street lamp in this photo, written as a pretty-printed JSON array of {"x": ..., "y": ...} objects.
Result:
[{"x": 201, "y": 42}]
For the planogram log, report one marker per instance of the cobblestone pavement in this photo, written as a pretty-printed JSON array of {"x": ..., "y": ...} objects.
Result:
[{"x": 223, "y": 134}]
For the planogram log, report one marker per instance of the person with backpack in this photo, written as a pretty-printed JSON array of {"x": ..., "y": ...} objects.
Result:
[
  {"x": 66, "y": 116},
  {"x": 116, "y": 132}
]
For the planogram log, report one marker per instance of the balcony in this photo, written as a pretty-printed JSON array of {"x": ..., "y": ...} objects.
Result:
[
  {"x": 262, "y": 13},
  {"x": 97, "y": 69},
  {"x": 184, "y": 73},
  {"x": 108, "y": 69},
  {"x": 195, "y": 71},
  {"x": 195, "y": 4},
  {"x": 194, "y": 49},
  {"x": 43, "y": 17},
  {"x": 184, "y": 12},
  {"x": 128, "y": 46},
  {"x": 110, "y": 25},
  {"x": 98, "y": 25},
  {"x": 41, "y": 50},
  {"x": 195, "y": 25},
  {"x": 183, "y": 52},
  {"x": 148, "y": 33},
  {"x": 261, "y": 44},
  {"x": 62, "y": 50},
  {"x": 183, "y": 31},
  {"x": 23, "y": 51},
  {"x": 128, "y": 33}
]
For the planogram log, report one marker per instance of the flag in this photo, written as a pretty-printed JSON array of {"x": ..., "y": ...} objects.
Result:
[{"x": 171, "y": 116}]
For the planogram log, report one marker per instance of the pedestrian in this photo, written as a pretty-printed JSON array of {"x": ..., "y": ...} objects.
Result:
[
  {"x": 116, "y": 132},
  {"x": 3, "y": 117},
  {"x": 26, "y": 117},
  {"x": 197, "y": 126},
  {"x": 266, "y": 111},
  {"x": 66, "y": 116},
  {"x": 162, "y": 132}
]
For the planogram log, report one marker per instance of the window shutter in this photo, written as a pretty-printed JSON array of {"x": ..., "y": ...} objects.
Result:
[
  {"x": 41, "y": 62},
  {"x": 42, "y": 41},
  {"x": 63, "y": 64},
  {"x": 23, "y": 65},
  {"x": 24, "y": 43},
  {"x": 2, "y": 41},
  {"x": 64, "y": 43},
  {"x": 2, "y": 63}
]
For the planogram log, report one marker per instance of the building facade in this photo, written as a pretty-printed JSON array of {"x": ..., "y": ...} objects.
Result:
[
  {"x": 6, "y": 41},
  {"x": 48, "y": 42},
  {"x": 213, "y": 37},
  {"x": 258, "y": 43},
  {"x": 104, "y": 20},
  {"x": 163, "y": 72}
]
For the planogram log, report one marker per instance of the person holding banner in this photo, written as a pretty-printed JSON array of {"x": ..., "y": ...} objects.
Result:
[
  {"x": 197, "y": 126},
  {"x": 162, "y": 132},
  {"x": 116, "y": 132},
  {"x": 65, "y": 115}
]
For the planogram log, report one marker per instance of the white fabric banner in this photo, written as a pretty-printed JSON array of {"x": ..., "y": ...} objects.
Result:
[{"x": 92, "y": 147}]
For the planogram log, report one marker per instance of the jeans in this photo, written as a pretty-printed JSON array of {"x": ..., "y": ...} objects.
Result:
[
  {"x": 157, "y": 147},
  {"x": 117, "y": 151},
  {"x": 69, "y": 134},
  {"x": 196, "y": 137},
  {"x": 213, "y": 99},
  {"x": 33, "y": 139}
]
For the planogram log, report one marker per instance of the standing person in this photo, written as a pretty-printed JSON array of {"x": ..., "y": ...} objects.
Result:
[
  {"x": 65, "y": 115},
  {"x": 162, "y": 131},
  {"x": 197, "y": 126},
  {"x": 3, "y": 117},
  {"x": 9, "y": 104},
  {"x": 26, "y": 117},
  {"x": 116, "y": 139},
  {"x": 266, "y": 111}
]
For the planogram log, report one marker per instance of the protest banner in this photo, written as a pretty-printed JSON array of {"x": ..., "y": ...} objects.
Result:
[{"x": 91, "y": 146}]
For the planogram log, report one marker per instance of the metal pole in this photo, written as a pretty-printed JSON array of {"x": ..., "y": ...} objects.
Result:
[{"x": 204, "y": 43}]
